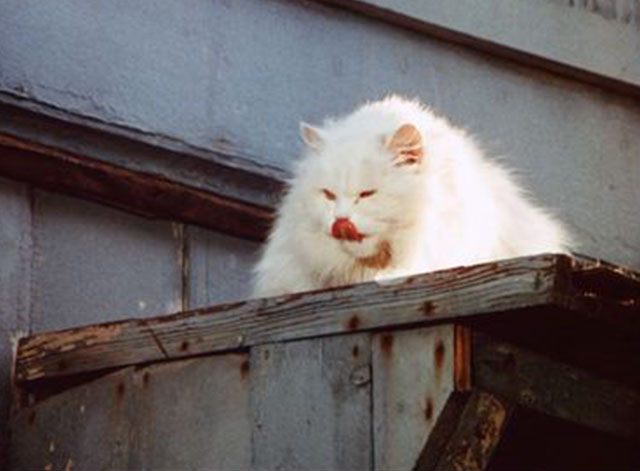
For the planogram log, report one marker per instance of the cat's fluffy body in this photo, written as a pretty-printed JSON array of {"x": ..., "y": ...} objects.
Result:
[{"x": 450, "y": 207}]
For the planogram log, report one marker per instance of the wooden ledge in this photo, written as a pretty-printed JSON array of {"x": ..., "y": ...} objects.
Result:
[{"x": 502, "y": 288}]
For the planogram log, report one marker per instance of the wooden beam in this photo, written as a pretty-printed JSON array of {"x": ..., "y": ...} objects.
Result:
[
  {"x": 468, "y": 431},
  {"x": 554, "y": 388},
  {"x": 144, "y": 194},
  {"x": 547, "y": 35},
  {"x": 426, "y": 299}
]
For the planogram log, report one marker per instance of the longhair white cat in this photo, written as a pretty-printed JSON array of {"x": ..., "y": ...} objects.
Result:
[{"x": 392, "y": 190}]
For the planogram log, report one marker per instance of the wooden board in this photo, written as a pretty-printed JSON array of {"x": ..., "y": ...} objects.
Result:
[
  {"x": 477, "y": 434},
  {"x": 422, "y": 299},
  {"x": 412, "y": 379},
  {"x": 556, "y": 389},
  {"x": 311, "y": 404},
  {"x": 88, "y": 428},
  {"x": 187, "y": 415},
  {"x": 192, "y": 415},
  {"x": 144, "y": 194}
]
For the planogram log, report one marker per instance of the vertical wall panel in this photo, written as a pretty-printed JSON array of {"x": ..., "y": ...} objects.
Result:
[
  {"x": 412, "y": 379},
  {"x": 311, "y": 405},
  {"x": 193, "y": 415},
  {"x": 15, "y": 259},
  {"x": 94, "y": 264},
  {"x": 219, "y": 267},
  {"x": 86, "y": 428}
]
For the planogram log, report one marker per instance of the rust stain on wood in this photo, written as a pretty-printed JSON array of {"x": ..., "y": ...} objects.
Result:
[
  {"x": 355, "y": 351},
  {"x": 120, "y": 390},
  {"x": 353, "y": 323},
  {"x": 245, "y": 367},
  {"x": 438, "y": 356},
  {"x": 386, "y": 344},
  {"x": 462, "y": 358},
  {"x": 428, "y": 309},
  {"x": 428, "y": 410}
]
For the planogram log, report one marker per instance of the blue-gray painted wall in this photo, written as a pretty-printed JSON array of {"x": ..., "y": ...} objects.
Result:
[
  {"x": 239, "y": 75},
  {"x": 66, "y": 262}
]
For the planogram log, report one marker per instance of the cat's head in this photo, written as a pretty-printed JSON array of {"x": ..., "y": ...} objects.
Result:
[{"x": 360, "y": 188}]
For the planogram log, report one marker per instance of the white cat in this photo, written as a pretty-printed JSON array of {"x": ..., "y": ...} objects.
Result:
[{"x": 392, "y": 190}]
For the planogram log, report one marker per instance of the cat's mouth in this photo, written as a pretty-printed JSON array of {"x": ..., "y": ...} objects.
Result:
[{"x": 345, "y": 230}]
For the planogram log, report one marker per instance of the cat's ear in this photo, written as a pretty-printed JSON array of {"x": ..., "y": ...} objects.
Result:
[
  {"x": 406, "y": 145},
  {"x": 311, "y": 136}
]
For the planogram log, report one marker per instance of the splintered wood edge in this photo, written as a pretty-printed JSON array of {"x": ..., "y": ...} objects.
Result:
[{"x": 420, "y": 300}]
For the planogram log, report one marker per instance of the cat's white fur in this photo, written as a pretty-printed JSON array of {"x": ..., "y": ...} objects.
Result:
[{"x": 454, "y": 207}]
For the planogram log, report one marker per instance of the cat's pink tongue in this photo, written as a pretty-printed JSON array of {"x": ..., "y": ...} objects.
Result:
[{"x": 343, "y": 229}]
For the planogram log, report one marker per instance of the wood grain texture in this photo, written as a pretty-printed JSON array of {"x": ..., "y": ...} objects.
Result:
[
  {"x": 412, "y": 379},
  {"x": 141, "y": 193},
  {"x": 192, "y": 415},
  {"x": 86, "y": 428},
  {"x": 478, "y": 432},
  {"x": 311, "y": 404},
  {"x": 442, "y": 431},
  {"x": 422, "y": 299},
  {"x": 556, "y": 389},
  {"x": 186, "y": 415}
]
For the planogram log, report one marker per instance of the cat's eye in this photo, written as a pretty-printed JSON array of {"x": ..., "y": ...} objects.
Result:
[
  {"x": 368, "y": 193},
  {"x": 328, "y": 194}
]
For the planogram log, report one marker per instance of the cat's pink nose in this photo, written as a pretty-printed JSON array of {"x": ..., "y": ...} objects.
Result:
[{"x": 343, "y": 229}]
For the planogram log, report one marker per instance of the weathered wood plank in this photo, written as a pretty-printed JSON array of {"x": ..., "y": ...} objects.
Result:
[
  {"x": 602, "y": 278},
  {"x": 187, "y": 415},
  {"x": 422, "y": 299},
  {"x": 412, "y": 379},
  {"x": 142, "y": 193},
  {"x": 192, "y": 415},
  {"x": 311, "y": 404},
  {"x": 478, "y": 432},
  {"x": 86, "y": 428},
  {"x": 554, "y": 388},
  {"x": 566, "y": 41},
  {"x": 442, "y": 431}
]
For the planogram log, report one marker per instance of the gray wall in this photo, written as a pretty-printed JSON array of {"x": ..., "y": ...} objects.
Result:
[
  {"x": 65, "y": 262},
  {"x": 238, "y": 75},
  {"x": 241, "y": 74}
]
